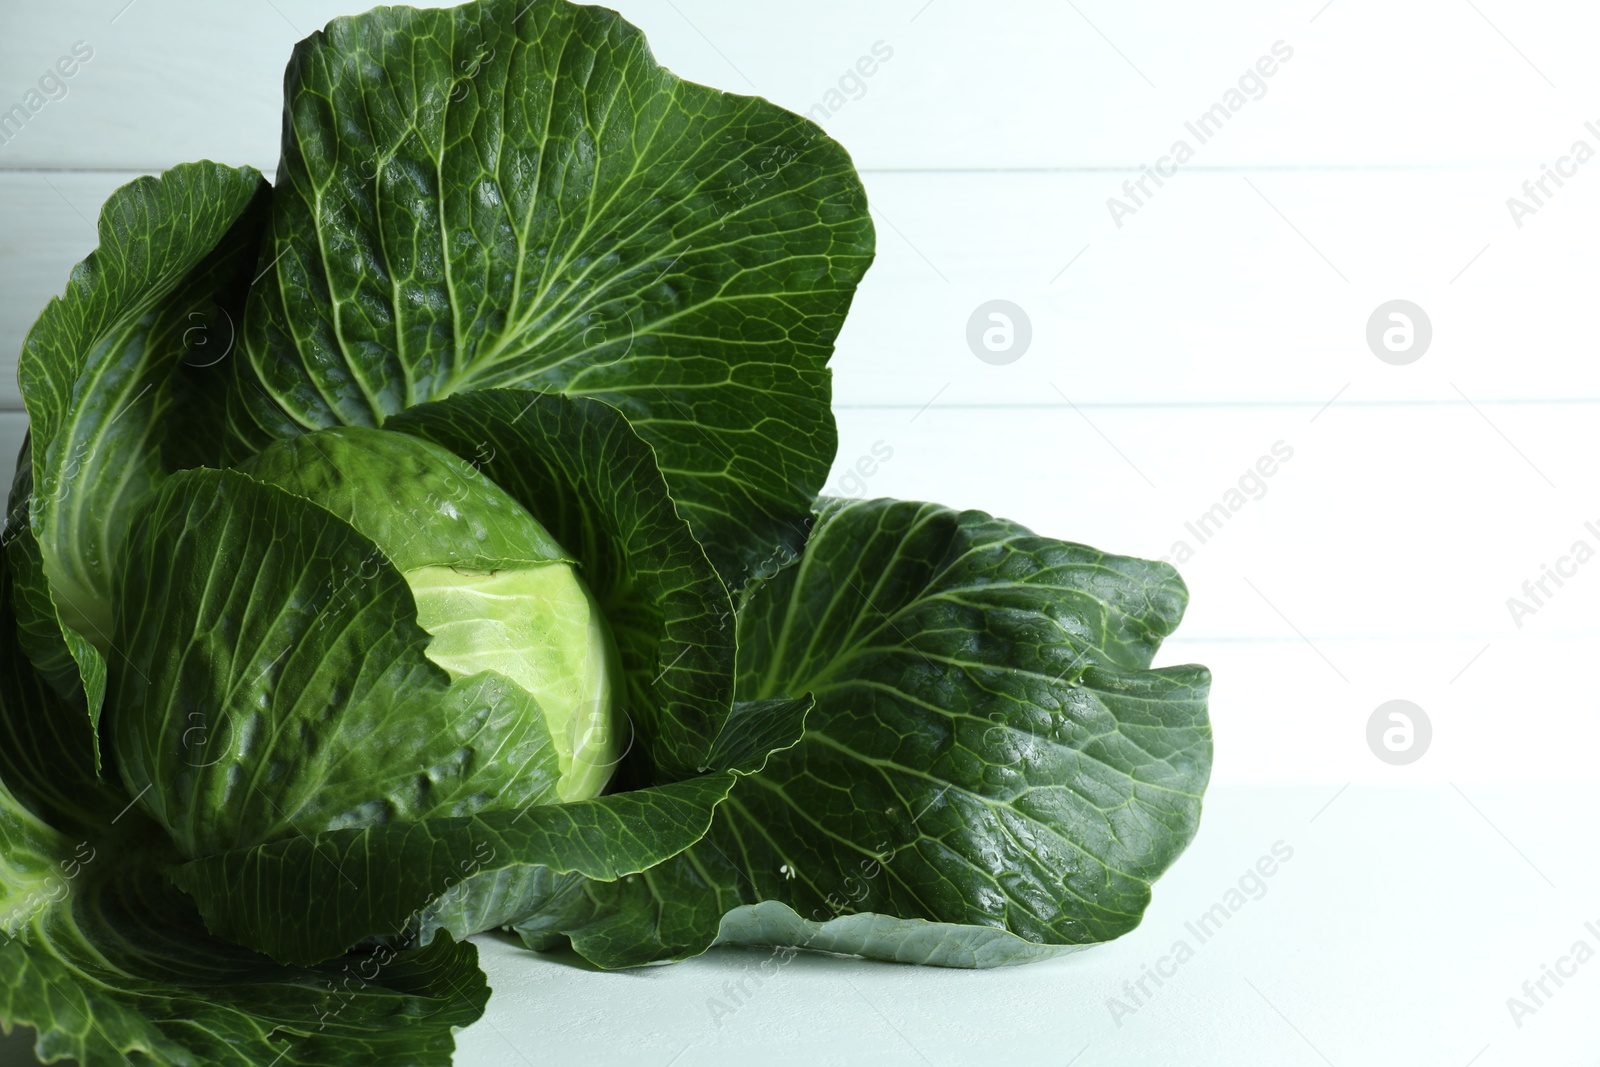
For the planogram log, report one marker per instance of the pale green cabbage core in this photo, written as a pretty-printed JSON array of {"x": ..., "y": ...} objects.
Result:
[{"x": 539, "y": 626}]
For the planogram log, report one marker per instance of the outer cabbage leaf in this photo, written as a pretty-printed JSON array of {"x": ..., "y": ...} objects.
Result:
[
  {"x": 110, "y": 964},
  {"x": 64, "y": 659},
  {"x": 95, "y": 373},
  {"x": 46, "y": 747},
  {"x": 513, "y": 194},
  {"x": 467, "y": 875},
  {"x": 753, "y": 732},
  {"x": 121, "y": 966},
  {"x": 307, "y": 899},
  {"x": 993, "y": 770}
]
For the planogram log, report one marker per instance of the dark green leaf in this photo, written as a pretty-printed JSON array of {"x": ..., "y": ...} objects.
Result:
[
  {"x": 990, "y": 753},
  {"x": 304, "y": 900},
  {"x": 94, "y": 375},
  {"x": 472, "y": 874},
  {"x": 64, "y": 658},
  {"x": 544, "y": 902},
  {"x": 515, "y": 195},
  {"x": 46, "y": 748},
  {"x": 757, "y": 730},
  {"x": 111, "y": 964}
]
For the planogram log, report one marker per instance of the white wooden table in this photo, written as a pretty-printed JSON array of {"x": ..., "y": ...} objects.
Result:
[{"x": 1168, "y": 354}]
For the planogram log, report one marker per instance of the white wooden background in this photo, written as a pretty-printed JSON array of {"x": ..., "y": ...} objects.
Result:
[{"x": 1168, "y": 354}]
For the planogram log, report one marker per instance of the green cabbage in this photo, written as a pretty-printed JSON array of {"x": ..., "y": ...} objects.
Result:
[{"x": 484, "y": 583}]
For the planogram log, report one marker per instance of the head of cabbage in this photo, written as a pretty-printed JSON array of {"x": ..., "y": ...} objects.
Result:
[{"x": 427, "y": 543}]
